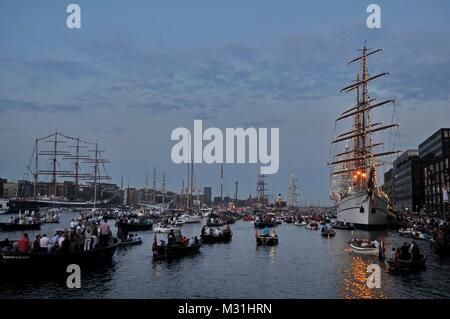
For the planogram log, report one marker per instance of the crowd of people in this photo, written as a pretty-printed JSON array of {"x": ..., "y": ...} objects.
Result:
[
  {"x": 175, "y": 238},
  {"x": 28, "y": 219},
  {"x": 83, "y": 235},
  {"x": 409, "y": 252},
  {"x": 215, "y": 231},
  {"x": 437, "y": 228}
]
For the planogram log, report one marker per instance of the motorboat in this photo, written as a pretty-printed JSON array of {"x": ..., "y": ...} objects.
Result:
[
  {"x": 267, "y": 240},
  {"x": 312, "y": 226},
  {"x": 165, "y": 229},
  {"x": 341, "y": 225},
  {"x": 221, "y": 236},
  {"x": 131, "y": 241},
  {"x": 300, "y": 223},
  {"x": 407, "y": 264},
  {"x": 364, "y": 247},
  {"x": 191, "y": 219}
]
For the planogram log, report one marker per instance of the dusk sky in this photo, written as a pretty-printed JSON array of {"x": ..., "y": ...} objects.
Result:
[{"x": 136, "y": 70}]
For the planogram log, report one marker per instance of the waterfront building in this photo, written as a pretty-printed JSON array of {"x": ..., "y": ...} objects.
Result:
[
  {"x": 388, "y": 186},
  {"x": 10, "y": 189},
  {"x": 2, "y": 183},
  {"x": 436, "y": 149},
  {"x": 408, "y": 181},
  {"x": 207, "y": 195}
]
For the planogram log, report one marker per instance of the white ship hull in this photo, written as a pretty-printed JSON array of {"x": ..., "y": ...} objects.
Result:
[
  {"x": 191, "y": 219},
  {"x": 363, "y": 211}
]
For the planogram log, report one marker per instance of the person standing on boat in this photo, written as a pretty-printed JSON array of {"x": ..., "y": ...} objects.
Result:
[
  {"x": 44, "y": 243},
  {"x": 266, "y": 231},
  {"x": 65, "y": 244},
  {"x": 170, "y": 237},
  {"x": 105, "y": 231},
  {"x": 87, "y": 239},
  {"x": 55, "y": 240},
  {"x": 24, "y": 243}
]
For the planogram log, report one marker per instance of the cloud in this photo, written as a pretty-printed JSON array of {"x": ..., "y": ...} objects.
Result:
[
  {"x": 59, "y": 69},
  {"x": 9, "y": 105}
]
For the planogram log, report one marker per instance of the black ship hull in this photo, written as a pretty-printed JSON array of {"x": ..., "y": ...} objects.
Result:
[
  {"x": 21, "y": 205},
  {"x": 135, "y": 227},
  {"x": 16, "y": 227},
  {"x": 37, "y": 260}
]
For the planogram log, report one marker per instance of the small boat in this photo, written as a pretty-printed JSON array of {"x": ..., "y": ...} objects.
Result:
[
  {"x": 165, "y": 229},
  {"x": 402, "y": 264},
  {"x": 20, "y": 226},
  {"x": 407, "y": 232},
  {"x": 49, "y": 220},
  {"x": 302, "y": 223},
  {"x": 224, "y": 236},
  {"x": 191, "y": 219},
  {"x": 340, "y": 225},
  {"x": 165, "y": 251},
  {"x": 270, "y": 240},
  {"x": 135, "y": 226},
  {"x": 135, "y": 240},
  {"x": 364, "y": 247}
]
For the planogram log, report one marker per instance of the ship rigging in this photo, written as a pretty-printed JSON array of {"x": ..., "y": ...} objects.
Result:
[{"x": 354, "y": 169}]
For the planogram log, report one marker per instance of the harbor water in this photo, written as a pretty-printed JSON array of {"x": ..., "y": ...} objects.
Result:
[{"x": 303, "y": 265}]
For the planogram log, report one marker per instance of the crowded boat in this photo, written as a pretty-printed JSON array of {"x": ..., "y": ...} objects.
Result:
[
  {"x": 266, "y": 237},
  {"x": 176, "y": 246},
  {"x": 211, "y": 235}
]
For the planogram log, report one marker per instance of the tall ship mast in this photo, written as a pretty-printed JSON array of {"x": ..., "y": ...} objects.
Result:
[
  {"x": 293, "y": 200},
  {"x": 67, "y": 162},
  {"x": 354, "y": 186}
]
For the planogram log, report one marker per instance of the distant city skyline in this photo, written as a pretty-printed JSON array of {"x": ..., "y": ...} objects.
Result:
[{"x": 132, "y": 74}]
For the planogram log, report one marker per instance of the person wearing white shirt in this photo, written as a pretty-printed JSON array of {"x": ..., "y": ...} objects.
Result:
[{"x": 44, "y": 243}]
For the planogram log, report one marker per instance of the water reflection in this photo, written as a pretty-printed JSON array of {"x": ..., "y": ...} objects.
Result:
[
  {"x": 302, "y": 265},
  {"x": 355, "y": 281}
]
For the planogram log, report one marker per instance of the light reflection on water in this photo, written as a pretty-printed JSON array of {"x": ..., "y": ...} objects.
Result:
[
  {"x": 303, "y": 265},
  {"x": 355, "y": 281}
]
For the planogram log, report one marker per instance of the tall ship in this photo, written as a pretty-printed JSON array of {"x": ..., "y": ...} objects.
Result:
[
  {"x": 60, "y": 156},
  {"x": 360, "y": 201}
]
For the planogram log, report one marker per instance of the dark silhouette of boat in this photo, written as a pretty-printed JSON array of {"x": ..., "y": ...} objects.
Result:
[
  {"x": 17, "y": 226},
  {"x": 38, "y": 260},
  {"x": 172, "y": 251},
  {"x": 166, "y": 251},
  {"x": 406, "y": 264},
  {"x": 135, "y": 226},
  {"x": 131, "y": 241},
  {"x": 271, "y": 240},
  {"x": 224, "y": 237}
]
